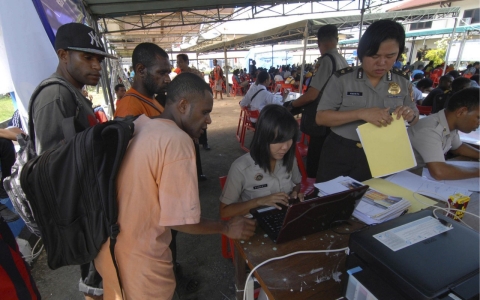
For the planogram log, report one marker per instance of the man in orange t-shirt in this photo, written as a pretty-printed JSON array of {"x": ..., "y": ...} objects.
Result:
[
  {"x": 151, "y": 202},
  {"x": 152, "y": 69}
]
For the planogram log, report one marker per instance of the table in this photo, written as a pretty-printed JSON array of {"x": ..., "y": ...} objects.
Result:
[
  {"x": 310, "y": 276},
  {"x": 303, "y": 276}
]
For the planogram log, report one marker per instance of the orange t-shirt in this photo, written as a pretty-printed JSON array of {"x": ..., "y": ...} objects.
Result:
[
  {"x": 157, "y": 188},
  {"x": 131, "y": 105}
]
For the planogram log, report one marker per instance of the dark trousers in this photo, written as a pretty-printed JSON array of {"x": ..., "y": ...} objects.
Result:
[
  {"x": 342, "y": 157},
  {"x": 315, "y": 146},
  {"x": 198, "y": 159},
  {"x": 203, "y": 138}
]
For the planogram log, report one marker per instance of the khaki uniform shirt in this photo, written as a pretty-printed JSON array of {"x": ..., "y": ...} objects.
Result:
[
  {"x": 246, "y": 180},
  {"x": 349, "y": 89},
  {"x": 431, "y": 139},
  {"x": 323, "y": 68}
]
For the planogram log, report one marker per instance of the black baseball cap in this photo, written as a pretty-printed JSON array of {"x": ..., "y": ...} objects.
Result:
[{"x": 79, "y": 37}]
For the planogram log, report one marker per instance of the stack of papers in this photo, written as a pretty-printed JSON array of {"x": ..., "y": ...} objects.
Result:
[
  {"x": 421, "y": 185},
  {"x": 374, "y": 207}
]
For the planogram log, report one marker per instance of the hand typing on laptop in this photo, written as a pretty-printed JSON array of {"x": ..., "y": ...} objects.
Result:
[{"x": 274, "y": 200}]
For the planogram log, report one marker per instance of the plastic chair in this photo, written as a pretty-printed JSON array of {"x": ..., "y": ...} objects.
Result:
[
  {"x": 236, "y": 88},
  {"x": 435, "y": 76},
  {"x": 248, "y": 125},
  {"x": 301, "y": 151},
  {"x": 228, "y": 248},
  {"x": 424, "y": 110},
  {"x": 286, "y": 86},
  {"x": 241, "y": 123}
]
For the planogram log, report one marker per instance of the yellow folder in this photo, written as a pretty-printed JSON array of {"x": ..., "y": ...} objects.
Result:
[{"x": 388, "y": 149}]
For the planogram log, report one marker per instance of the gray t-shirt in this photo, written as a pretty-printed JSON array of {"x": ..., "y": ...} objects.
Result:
[
  {"x": 53, "y": 104},
  {"x": 431, "y": 138},
  {"x": 246, "y": 180}
]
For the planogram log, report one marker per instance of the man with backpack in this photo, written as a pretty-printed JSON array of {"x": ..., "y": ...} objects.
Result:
[
  {"x": 80, "y": 53},
  {"x": 329, "y": 62},
  {"x": 157, "y": 191}
]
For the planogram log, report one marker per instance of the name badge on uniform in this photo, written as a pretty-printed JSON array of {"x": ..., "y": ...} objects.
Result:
[
  {"x": 358, "y": 94},
  {"x": 260, "y": 186},
  {"x": 394, "y": 88}
]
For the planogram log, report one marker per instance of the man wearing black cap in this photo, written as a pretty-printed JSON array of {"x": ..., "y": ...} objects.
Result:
[
  {"x": 80, "y": 54},
  {"x": 329, "y": 62}
]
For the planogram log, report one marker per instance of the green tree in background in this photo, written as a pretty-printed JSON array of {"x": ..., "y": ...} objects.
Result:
[{"x": 438, "y": 55}]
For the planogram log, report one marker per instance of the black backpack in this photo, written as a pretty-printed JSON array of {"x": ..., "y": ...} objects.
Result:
[
  {"x": 71, "y": 189},
  {"x": 308, "y": 124}
]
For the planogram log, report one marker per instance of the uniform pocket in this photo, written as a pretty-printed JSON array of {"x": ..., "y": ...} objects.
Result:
[{"x": 353, "y": 102}]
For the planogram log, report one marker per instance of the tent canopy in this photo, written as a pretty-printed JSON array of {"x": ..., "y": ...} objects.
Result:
[
  {"x": 295, "y": 31},
  {"x": 426, "y": 32},
  {"x": 183, "y": 23}
]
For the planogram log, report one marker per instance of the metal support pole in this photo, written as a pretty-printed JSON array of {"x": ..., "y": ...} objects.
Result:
[
  {"x": 227, "y": 87},
  {"x": 272, "y": 55},
  {"x": 107, "y": 92},
  {"x": 460, "y": 51},
  {"x": 305, "y": 41},
  {"x": 411, "y": 50},
  {"x": 196, "y": 55},
  {"x": 362, "y": 13},
  {"x": 449, "y": 45}
]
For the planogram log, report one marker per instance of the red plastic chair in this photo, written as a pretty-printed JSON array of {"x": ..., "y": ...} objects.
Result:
[
  {"x": 248, "y": 125},
  {"x": 435, "y": 76},
  {"x": 286, "y": 86},
  {"x": 236, "y": 88},
  {"x": 228, "y": 248},
  {"x": 301, "y": 151},
  {"x": 424, "y": 110}
]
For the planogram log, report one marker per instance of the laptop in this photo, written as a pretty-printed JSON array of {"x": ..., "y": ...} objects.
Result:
[{"x": 304, "y": 218}]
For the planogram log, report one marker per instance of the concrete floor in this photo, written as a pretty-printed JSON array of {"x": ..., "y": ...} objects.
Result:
[{"x": 199, "y": 256}]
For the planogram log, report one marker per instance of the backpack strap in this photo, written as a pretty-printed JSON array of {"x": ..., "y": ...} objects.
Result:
[
  {"x": 255, "y": 95},
  {"x": 47, "y": 82},
  {"x": 334, "y": 68},
  {"x": 143, "y": 100}
]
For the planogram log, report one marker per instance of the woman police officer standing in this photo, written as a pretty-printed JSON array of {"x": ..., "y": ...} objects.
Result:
[{"x": 368, "y": 93}]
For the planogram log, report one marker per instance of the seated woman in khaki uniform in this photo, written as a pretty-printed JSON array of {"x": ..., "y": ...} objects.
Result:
[{"x": 269, "y": 174}]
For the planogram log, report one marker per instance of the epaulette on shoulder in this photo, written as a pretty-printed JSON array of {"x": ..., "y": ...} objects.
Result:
[
  {"x": 343, "y": 71},
  {"x": 404, "y": 74}
]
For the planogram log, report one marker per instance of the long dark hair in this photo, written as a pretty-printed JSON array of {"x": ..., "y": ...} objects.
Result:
[{"x": 275, "y": 125}]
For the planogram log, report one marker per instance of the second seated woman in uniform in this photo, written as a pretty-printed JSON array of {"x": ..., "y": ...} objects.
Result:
[
  {"x": 368, "y": 93},
  {"x": 268, "y": 174}
]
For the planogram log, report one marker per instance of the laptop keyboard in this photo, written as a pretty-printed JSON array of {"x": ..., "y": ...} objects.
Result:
[{"x": 274, "y": 221}]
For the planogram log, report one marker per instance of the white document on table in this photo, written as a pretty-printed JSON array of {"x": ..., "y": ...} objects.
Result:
[
  {"x": 337, "y": 185},
  {"x": 471, "y": 184},
  {"x": 411, "y": 233},
  {"x": 426, "y": 187}
]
